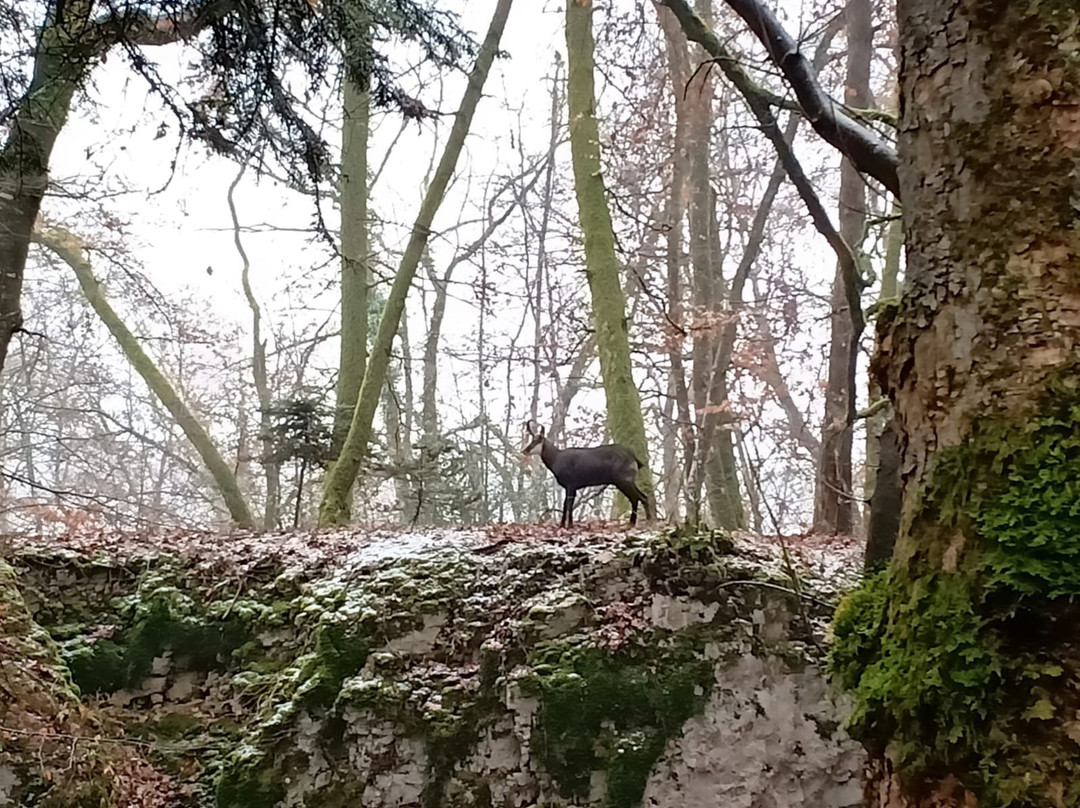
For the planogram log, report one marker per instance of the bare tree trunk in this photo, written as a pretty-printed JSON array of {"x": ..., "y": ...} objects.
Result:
[
  {"x": 881, "y": 484},
  {"x": 398, "y": 447},
  {"x": 718, "y": 462},
  {"x": 714, "y": 457},
  {"x": 624, "y": 416},
  {"x": 429, "y": 409},
  {"x": 537, "y": 304},
  {"x": 70, "y": 249},
  {"x": 834, "y": 493},
  {"x": 334, "y": 508},
  {"x": 699, "y": 129},
  {"x": 271, "y": 467},
  {"x": 355, "y": 255},
  {"x": 680, "y": 433},
  {"x": 768, "y": 371}
]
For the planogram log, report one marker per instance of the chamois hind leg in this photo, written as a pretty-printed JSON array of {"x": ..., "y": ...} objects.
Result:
[
  {"x": 633, "y": 493},
  {"x": 647, "y": 502}
]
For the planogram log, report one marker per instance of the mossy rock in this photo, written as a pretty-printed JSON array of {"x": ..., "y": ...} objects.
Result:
[{"x": 614, "y": 711}]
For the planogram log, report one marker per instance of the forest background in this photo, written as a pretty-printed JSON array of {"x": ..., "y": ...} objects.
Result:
[{"x": 497, "y": 328}]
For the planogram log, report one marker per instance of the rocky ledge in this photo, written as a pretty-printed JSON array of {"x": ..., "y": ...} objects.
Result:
[{"x": 510, "y": 666}]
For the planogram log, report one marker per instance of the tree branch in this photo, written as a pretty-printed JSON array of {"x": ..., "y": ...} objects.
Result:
[
  {"x": 143, "y": 29},
  {"x": 696, "y": 31},
  {"x": 868, "y": 152}
]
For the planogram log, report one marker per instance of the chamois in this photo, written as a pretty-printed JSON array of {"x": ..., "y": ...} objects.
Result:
[{"x": 611, "y": 464}]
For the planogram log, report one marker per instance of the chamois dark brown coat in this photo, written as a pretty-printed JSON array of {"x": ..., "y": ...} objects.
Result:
[{"x": 575, "y": 468}]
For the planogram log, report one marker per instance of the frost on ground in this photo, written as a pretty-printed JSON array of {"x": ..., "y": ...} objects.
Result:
[{"x": 509, "y": 665}]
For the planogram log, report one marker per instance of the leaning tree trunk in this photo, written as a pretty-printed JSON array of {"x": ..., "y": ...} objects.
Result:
[
  {"x": 70, "y": 250},
  {"x": 334, "y": 507},
  {"x": 624, "y": 417},
  {"x": 834, "y": 510},
  {"x": 963, "y": 657}
]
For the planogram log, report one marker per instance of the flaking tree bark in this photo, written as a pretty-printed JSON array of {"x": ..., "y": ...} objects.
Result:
[
  {"x": 624, "y": 417},
  {"x": 334, "y": 508},
  {"x": 959, "y": 657},
  {"x": 962, "y": 658}
]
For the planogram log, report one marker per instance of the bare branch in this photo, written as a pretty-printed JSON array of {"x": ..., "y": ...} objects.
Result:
[
  {"x": 142, "y": 29},
  {"x": 866, "y": 150},
  {"x": 696, "y": 31}
]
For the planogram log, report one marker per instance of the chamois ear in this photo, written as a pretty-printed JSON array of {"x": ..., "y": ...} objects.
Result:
[{"x": 530, "y": 427}]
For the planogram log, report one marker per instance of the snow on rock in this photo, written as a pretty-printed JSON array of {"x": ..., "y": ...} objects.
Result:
[{"x": 509, "y": 666}]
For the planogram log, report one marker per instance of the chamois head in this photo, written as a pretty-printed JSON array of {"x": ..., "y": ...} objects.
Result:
[{"x": 535, "y": 440}]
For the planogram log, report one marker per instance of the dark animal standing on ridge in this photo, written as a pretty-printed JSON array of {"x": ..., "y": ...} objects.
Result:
[{"x": 612, "y": 464}]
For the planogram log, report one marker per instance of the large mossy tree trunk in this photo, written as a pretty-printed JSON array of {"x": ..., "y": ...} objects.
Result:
[
  {"x": 964, "y": 656},
  {"x": 834, "y": 502},
  {"x": 334, "y": 507},
  {"x": 624, "y": 417},
  {"x": 70, "y": 249}
]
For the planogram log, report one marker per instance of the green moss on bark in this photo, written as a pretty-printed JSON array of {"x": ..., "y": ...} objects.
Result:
[{"x": 959, "y": 661}]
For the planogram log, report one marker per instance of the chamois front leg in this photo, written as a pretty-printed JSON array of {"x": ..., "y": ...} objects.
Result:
[{"x": 568, "y": 508}]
